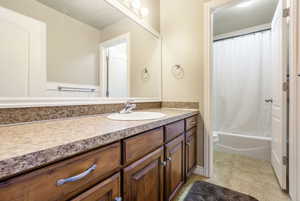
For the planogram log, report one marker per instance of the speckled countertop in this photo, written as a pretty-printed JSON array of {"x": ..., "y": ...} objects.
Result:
[{"x": 31, "y": 145}]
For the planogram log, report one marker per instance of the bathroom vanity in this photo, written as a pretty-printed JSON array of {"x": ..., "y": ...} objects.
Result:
[{"x": 136, "y": 161}]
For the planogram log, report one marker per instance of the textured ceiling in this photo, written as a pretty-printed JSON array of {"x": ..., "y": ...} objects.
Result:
[
  {"x": 96, "y": 13},
  {"x": 233, "y": 18}
]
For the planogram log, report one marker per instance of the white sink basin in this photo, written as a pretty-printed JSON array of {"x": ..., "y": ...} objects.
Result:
[{"x": 136, "y": 116}]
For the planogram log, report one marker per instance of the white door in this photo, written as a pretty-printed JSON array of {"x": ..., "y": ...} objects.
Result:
[
  {"x": 22, "y": 55},
  {"x": 279, "y": 106}
]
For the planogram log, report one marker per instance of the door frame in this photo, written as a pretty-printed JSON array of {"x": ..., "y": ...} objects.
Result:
[
  {"x": 294, "y": 140},
  {"x": 294, "y": 107},
  {"x": 103, "y": 63}
]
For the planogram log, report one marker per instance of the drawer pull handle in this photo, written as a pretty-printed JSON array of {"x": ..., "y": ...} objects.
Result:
[
  {"x": 118, "y": 199},
  {"x": 193, "y": 122},
  {"x": 77, "y": 177}
]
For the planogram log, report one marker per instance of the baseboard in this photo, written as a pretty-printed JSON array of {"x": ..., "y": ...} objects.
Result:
[{"x": 199, "y": 170}]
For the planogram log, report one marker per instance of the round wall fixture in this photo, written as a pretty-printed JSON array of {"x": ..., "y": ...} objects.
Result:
[
  {"x": 145, "y": 74},
  {"x": 178, "y": 71}
]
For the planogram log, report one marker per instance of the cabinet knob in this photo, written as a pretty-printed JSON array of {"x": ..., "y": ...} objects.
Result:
[
  {"x": 193, "y": 122},
  {"x": 118, "y": 199},
  {"x": 163, "y": 163}
]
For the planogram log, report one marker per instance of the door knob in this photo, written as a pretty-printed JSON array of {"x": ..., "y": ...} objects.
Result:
[{"x": 269, "y": 100}]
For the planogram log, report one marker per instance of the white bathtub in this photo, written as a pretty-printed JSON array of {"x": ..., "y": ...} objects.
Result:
[{"x": 252, "y": 146}]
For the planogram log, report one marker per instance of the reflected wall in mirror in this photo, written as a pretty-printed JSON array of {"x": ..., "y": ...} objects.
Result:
[{"x": 78, "y": 48}]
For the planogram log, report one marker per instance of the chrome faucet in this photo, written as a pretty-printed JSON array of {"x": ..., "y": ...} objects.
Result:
[{"x": 128, "y": 107}]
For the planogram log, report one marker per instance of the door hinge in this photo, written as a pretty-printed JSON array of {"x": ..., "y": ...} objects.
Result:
[
  {"x": 285, "y": 86},
  {"x": 284, "y": 160},
  {"x": 286, "y": 12}
]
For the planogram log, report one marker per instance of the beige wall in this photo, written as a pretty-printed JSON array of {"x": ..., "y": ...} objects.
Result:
[
  {"x": 145, "y": 52},
  {"x": 68, "y": 52},
  {"x": 182, "y": 33}
]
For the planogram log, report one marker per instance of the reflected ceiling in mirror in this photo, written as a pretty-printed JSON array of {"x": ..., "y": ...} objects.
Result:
[{"x": 96, "y": 13}]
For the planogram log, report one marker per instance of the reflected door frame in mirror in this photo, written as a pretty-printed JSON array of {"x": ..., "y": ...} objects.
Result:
[{"x": 104, "y": 63}]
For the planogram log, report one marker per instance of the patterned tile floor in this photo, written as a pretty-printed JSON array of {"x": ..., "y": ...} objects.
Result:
[{"x": 242, "y": 174}]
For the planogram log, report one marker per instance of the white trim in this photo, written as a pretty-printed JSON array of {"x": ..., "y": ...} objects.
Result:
[
  {"x": 243, "y": 31},
  {"x": 24, "y": 102},
  {"x": 294, "y": 115},
  {"x": 129, "y": 13},
  {"x": 209, "y": 8},
  {"x": 103, "y": 65},
  {"x": 199, "y": 170}
]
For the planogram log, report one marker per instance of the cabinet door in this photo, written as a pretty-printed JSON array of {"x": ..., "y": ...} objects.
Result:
[
  {"x": 190, "y": 151},
  {"x": 143, "y": 180},
  {"x": 108, "y": 190},
  {"x": 175, "y": 166}
]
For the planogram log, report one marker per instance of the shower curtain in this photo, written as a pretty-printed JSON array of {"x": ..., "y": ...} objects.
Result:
[{"x": 241, "y": 83}]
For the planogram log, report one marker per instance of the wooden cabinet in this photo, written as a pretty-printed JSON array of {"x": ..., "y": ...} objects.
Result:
[
  {"x": 175, "y": 173},
  {"x": 65, "y": 179},
  {"x": 151, "y": 166},
  {"x": 108, "y": 190},
  {"x": 191, "y": 151},
  {"x": 143, "y": 180}
]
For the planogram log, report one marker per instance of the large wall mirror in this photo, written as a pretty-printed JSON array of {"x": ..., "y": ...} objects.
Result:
[{"x": 80, "y": 48}]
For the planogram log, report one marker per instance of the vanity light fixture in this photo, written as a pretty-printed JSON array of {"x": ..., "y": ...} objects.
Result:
[
  {"x": 136, "y": 4},
  {"x": 144, "y": 12},
  {"x": 244, "y": 4},
  {"x": 127, "y": 2},
  {"x": 136, "y": 7}
]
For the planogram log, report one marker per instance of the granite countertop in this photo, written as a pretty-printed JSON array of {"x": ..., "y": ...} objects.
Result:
[{"x": 27, "y": 146}]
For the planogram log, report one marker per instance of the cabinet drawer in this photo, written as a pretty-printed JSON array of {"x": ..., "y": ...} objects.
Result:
[
  {"x": 138, "y": 146},
  {"x": 191, "y": 122},
  {"x": 173, "y": 130},
  {"x": 108, "y": 190},
  {"x": 51, "y": 183}
]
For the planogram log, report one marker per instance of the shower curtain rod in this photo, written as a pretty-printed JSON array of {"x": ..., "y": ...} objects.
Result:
[{"x": 253, "y": 32}]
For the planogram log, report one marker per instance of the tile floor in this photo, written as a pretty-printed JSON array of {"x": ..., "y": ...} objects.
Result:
[{"x": 243, "y": 174}]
